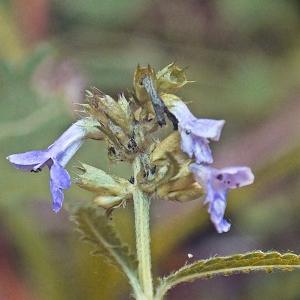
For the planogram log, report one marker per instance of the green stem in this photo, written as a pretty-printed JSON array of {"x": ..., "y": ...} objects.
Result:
[{"x": 142, "y": 231}]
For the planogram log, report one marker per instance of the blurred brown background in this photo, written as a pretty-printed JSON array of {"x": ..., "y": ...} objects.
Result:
[{"x": 245, "y": 58}]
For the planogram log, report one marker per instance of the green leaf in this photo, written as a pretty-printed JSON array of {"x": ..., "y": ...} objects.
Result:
[
  {"x": 96, "y": 229},
  {"x": 228, "y": 265}
]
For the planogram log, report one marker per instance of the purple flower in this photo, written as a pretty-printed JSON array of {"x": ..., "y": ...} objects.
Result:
[
  {"x": 195, "y": 133},
  {"x": 55, "y": 157},
  {"x": 216, "y": 183}
]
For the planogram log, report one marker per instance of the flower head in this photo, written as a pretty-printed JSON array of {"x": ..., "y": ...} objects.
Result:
[
  {"x": 55, "y": 157},
  {"x": 216, "y": 183},
  {"x": 195, "y": 133}
]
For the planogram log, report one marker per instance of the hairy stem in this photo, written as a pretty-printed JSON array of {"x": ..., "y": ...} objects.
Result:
[{"x": 142, "y": 232}]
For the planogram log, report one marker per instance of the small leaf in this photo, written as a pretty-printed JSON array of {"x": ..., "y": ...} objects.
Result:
[
  {"x": 96, "y": 229},
  {"x": 228, "y": 265}
]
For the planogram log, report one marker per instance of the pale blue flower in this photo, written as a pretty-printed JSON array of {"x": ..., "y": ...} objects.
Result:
[
  {"x": 55, "y": 157},
  {"x": 216, "y": 183},
  {"x": 196, "y": 133}
]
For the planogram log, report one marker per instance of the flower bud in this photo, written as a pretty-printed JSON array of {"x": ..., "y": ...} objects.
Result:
[
  {"x": 181, "y": 187},
  {"x": 112, "y": 110},
  {"x": 110, "y": 190},
  {"x": 171, "y": 144},
  {"x": 177, "y": 183}
]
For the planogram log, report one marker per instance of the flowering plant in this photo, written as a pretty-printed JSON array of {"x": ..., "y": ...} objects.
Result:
[{"x": 177, "y": 168}]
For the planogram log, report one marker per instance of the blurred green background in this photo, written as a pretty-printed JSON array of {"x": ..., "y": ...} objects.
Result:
[{"x": 245, "y": 58}]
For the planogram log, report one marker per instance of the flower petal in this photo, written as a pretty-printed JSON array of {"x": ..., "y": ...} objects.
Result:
[
  {"x": 187, "y": 143},
  {"x": 202, "y": 151},
  {"x": 233, "y": 177},
  {"x": 28, "y": 160},
  {"x": 182, "y": 113},
  {"x": 201, "y": 173},
  {"x": 57, "y": 197},
  {"x": 216, "y": 209},
  {"x": 223, "y": 226},
  {"x": 196, "y": 132},
  {"x": 76, "y": 132},
  {"x": 207, "y": 128},
  {"x": 59, "y": 176},
  {"x": 65, "y": 156}
]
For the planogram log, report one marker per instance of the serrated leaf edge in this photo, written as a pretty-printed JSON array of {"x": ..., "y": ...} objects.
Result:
[
  {"x": 240, "y": 263},
  {"x": 111, "y": 249}
]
